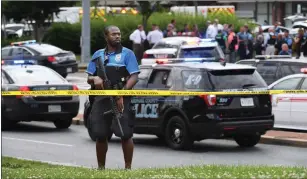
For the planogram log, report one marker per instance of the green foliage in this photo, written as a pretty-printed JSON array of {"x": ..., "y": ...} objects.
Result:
[
  {"x": 67, "y": 36},
  {"x": 6, "y": 42}
]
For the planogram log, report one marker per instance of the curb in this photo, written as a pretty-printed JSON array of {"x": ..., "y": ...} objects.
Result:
[{"x": 283, "y": 141}]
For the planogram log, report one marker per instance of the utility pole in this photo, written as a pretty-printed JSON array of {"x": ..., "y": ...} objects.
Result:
[{"x": 86, "y": 32}]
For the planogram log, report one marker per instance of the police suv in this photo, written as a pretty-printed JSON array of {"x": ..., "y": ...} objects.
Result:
[{"x": 181, "y": 120}]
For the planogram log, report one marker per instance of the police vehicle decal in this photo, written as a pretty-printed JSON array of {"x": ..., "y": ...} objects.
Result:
[{"x": 146, "y": 107}]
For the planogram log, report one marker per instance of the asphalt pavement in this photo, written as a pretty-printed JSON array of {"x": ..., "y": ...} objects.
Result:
[{"x": 42, "y": 141}]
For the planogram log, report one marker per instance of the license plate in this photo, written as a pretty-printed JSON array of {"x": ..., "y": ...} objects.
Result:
[
  {"x": 54, "y": 108},
  {"x": 68, "y": 70},
  {"x": 247, "y": 102}
]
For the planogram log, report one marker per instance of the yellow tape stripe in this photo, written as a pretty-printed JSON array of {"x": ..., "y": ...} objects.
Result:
[{"x": 140, "y": 93}]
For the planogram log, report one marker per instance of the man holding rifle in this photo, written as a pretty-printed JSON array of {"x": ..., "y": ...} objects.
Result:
[{"x": 116, "y": 68}]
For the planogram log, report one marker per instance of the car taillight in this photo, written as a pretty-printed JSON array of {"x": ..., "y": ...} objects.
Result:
[
  {"x": 145, "y": 55},
  {"x": 2, "y": 62},
  {"x": 209, "y": 99},
  {"x": 51, "y": 58},
  {"x": 23, "y": 88},
  {"x": 74, "y": 87}
]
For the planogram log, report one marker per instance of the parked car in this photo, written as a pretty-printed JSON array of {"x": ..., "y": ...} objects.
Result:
[
  {"x": 181, "y": 120},
  {"x": 290, "y": 109},
  {"x": 63, "y": 62},
  {"x": 58, "y": 109},
  {"x": 274, "y": 67},
  {"x": 166, "y": 48}
]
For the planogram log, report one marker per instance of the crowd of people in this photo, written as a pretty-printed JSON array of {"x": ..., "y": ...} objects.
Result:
[{"x": 236, "y": 45}]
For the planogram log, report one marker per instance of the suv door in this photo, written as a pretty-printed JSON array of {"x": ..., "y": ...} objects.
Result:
[
  {"x": 299, "y": 108},
  {"x": 159, "y": 80},
  {"x": 5, "y": 53},
  {"x": 281, "y": 103},
  {"x": 268, "y": 71},
  {"x": 138, "y": 101}
]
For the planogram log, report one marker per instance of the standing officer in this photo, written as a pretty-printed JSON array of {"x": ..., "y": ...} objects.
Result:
[{"x": 120, "y": 63}]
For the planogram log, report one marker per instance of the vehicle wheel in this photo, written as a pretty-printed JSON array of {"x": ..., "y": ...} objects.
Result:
[
  {"x": 177, "y": 135},
  {"x": 64, "y": 75},
  {"x": 247, "y": 140},
  {"x": 63, "y": 123}
]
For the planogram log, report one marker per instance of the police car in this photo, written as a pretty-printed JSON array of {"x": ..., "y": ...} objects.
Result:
[
  {"x": 166, "y": 48},
  {"x": 59, "y": 109},
  {"x": 63, "y": 62},
  {"x": 181, "y": 120},
  {"x": 274, "y": 67},
  {"x": 290, "y": 109},
  {"x": 203, "y": 48}
]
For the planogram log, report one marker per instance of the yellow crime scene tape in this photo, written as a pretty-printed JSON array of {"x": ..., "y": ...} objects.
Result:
[{"x": 141, "y": 92}]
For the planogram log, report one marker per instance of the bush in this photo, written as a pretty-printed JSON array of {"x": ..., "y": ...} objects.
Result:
[{"x": 67, "y": 36}]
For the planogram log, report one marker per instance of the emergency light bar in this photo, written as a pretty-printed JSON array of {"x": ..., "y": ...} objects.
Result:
[
  {"x": 186, "y": 60},
  {"x": 263, "y": 57},
  {"x": 19, "y": 62},
  {"x": 304, "y": 70},
  {"x": 23, "y": 42}
]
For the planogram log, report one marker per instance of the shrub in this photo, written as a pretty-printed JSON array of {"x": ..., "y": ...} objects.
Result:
[{"x": 67, "y": 36}]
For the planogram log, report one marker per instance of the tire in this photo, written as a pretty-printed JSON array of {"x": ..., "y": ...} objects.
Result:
[
  {"x": 180, "y": 141},
  {"x": 247, "y": 140},
  {"x": 63, "y": 123}
]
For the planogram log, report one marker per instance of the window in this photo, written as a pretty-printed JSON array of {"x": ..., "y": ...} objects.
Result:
[
  {"x": 46, "y": 49},
  {"x": 292, "y": 68},
  {"x": 200, "y": 52},
  {"x": 143, "y": 78},
  {"x": 159, "y": 79},
  {"x": 195, "y": 80},
  {"x": 37, "y": 75},
  {"x": 26, "y": 52},
  {"x": 17, "y": 51},
  {"x": 5, "y": 52},
  {"x": 304, "y": 85},
  {"x": 236, "y": 79},
  {"x": 288, "y": 84},
  {"x": 268, "y": 71}
]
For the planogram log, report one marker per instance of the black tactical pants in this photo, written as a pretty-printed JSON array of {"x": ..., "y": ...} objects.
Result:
[{"x": 103, "y": 125}]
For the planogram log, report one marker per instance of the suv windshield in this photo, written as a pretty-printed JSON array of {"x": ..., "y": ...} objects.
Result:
[
  {"x": 200, "y": 52},
  {"x": 236, "y": 79}
]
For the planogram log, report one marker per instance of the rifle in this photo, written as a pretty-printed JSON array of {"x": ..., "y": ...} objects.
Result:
[{"x": 101, "y": 72}]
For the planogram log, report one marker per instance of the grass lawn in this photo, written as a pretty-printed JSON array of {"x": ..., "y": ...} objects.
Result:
[{"x": 15, "y": 168}]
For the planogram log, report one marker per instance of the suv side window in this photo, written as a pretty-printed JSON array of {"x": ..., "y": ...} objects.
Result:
[
  {"x": 268, "y": 71},
  {"x": 304, "y": 85},
  {"x": 143, "y": 78},
  {"x": 5, "y": 52},
  {"x": 288, "y": 84},
  {"x": 17, "y": 51},
  {"x": 291, "y": 68},
  {"x": 26, "y": 52},
  {"x": 159, "y": 79}
]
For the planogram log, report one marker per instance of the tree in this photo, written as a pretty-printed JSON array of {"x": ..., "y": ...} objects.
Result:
[
  {"x": 147, "y": 8},
  {"x": 38, "y": 11}
]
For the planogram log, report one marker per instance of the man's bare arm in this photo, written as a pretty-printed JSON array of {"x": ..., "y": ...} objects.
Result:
[{"x": 133, "y": 79}]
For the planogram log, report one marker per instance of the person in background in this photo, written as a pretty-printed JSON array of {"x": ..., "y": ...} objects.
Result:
[
  {"x": 277, "y": 30},
  {"x": 206, "y": 29},
  {"x": 299, "y": 40},
  {"x": 284, "y": 50},
  {"x": 288, "y": 40},
  {"x": 196, "y": 31},
  {"x": 269, "y": 42},
  {"x": 279, "y": 43},
  {"x": 225, "y": 29},
  {"x": 154, "y": 36},
  {"x": 138, "y": 37},
  {"x": 173, "y": 24},
  {"x": 232, "y": 41},
  {"x": 213, "y": 30},
  {"x": 242, "y": 36},
  {"x": 221, "y": 40},
  {"x": 258, "y": 46},
  {"x": 185, "y": 28},
  {"x": 169, "y": 32},
  {"x": 250, "y": 43}
]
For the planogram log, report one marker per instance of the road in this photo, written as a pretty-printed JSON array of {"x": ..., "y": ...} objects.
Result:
[{"x": 42, "y": 141}]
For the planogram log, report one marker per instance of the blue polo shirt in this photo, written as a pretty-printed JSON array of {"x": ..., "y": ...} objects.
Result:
[{"x": 122, "y": 57}]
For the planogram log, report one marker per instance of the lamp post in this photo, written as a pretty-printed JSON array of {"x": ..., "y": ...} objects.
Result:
[{"x": 86, "y": 32}]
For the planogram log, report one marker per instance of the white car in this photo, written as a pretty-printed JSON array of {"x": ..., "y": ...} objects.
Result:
[
  {"x": 166, "y": 48},
  {"x": 290, "y": 109}
]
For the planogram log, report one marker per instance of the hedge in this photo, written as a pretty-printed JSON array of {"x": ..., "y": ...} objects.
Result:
[{"x": 67, "y": 36}]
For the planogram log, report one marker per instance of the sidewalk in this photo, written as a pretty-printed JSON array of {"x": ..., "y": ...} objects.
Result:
[{"x": 297, "y": 139}]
